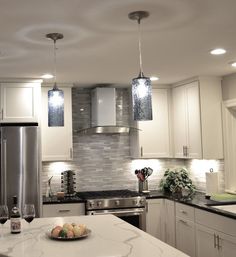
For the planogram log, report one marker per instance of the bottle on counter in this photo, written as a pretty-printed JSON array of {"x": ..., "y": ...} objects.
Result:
[{"x": 15, "y": 217}]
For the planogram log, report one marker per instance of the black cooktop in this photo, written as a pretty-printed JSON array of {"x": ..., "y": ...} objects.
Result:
[{"x": 107, "y": 194}]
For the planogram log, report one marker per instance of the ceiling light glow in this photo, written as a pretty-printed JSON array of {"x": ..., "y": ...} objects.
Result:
[
  {"x": 233, "y": 64},
  {"x": 153, "y": 78},
  {"x": 218, "y": 51}
]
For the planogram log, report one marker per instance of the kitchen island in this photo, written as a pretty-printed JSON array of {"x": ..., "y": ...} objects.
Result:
[{"x": 110, "y": 236}]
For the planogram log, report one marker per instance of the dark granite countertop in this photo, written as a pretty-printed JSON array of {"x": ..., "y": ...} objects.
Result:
[{"x": 198, "y": 200}]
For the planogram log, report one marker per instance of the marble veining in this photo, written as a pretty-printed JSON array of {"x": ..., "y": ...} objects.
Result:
[{"x": 110, "y": 237}]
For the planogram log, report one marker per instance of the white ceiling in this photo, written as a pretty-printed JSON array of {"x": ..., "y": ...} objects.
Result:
[{"x": 100, "y": 43}]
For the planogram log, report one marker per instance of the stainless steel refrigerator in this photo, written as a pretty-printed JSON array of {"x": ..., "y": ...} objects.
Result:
[{"x": 19, "y": 174}]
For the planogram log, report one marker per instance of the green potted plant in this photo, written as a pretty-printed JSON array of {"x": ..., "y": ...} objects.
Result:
[{"x": 177, "y": 181}]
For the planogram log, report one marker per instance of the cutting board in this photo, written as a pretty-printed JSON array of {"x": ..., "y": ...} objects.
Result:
[{"x": 223, "y": 197}]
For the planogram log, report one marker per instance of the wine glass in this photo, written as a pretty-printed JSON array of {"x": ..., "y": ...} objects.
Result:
[
  {"x": 3, "y": 215},
  {"x": 28, "y": 213}
]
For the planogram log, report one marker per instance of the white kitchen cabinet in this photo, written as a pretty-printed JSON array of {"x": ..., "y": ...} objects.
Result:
[
  {"x": 215, "y": 235},
  {"x": 185, "y": 229},
  {"x": 57, "y": 141},
  {"x": 154, "y": 224},
  {"x": 168, "y": 217},
  {"x": 152, "y": 140},
  {"x": 61, "y": 210},
  {"x": 20, "y": 101},
  {"x": 197, "y": 121},
  {"x": 186, "y": 121}
]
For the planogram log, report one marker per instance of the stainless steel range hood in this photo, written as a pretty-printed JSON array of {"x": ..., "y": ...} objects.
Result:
[{"x": 103, "y": 113}]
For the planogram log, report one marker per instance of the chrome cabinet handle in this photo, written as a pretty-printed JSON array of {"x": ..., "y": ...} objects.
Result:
[
  {"x": 1, "y": 114},
  {"x": 141, "y": 151},
  {"x": 185, "y": 150},
  {"x": 215, "y": 241},
  {"x": 64, "y": 211},
  {"x": 71, "y": 153},
  {"x": 218, "y": 242}
]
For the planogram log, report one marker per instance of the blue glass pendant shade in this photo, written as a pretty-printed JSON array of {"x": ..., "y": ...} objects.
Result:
[
  {"x": 142, "y": 98},
  {"x": 55, "y": 108}
]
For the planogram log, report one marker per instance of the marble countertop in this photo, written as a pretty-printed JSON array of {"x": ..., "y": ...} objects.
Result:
[{"x": 110, "y": 236}]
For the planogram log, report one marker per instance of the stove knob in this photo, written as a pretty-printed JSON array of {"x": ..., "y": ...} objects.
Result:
[
  {"x": 141, "y": 201},
  {"x": 91, "y": 204},
  {"x": 135, "y": 202},
  {"x": 99, "y": 203},
  {"x": 117, "y": 202}
]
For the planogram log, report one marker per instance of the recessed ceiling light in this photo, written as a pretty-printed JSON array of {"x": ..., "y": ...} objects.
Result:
[
  {"x": 233, "y": 64},
  {"x": 218, "y": 51},
  {"x": 47, "y": 76},
  {"x": 153, "y": 78}
]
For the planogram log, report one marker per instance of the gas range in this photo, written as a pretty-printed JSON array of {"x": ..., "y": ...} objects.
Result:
[{"x": 112, "y": 199}]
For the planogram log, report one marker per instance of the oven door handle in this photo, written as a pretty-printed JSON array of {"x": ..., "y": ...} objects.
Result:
[{"x": 118, "y": 212}]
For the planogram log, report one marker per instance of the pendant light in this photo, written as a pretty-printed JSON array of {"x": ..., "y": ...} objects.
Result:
[
  {"x": 141, "y": 86},
  {"x": 55, "y": 95}
]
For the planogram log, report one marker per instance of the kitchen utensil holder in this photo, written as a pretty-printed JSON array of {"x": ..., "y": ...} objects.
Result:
[{"x": 143, "y": 186}]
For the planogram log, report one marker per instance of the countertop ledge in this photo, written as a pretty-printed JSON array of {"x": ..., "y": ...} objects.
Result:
[
  {"x": 109, "y": 236},
  {"x": 198, "y": 200}
]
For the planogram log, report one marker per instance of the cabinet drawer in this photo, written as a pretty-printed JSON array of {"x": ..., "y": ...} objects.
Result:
[
  {"x": 61, "y": 210},
  {"x": 184, "y": 211},
  {"x": 217, "y": 222}
]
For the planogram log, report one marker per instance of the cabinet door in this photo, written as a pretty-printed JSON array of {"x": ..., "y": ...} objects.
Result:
[
  {"x": 169, "y": 222},
  {"x": 206, "y": 243},
  {"x": 194, "y": 145},
  {"x": 20, "y": 102},
  {"x": 153, "y": 138},
  {"x": 185, "y": 236},
  {"x": 179, "y": 121},
  {"x": 153, "y": 219},
  {"x": 227, "y": 245},
  {"x": 57, "y": 141},
  {"x": 186, "y": 121}
]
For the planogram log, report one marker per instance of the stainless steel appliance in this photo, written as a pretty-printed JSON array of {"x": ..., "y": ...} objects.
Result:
[
  {"x": 127, "y": 205},
  {"x": 19, "y": 167}
]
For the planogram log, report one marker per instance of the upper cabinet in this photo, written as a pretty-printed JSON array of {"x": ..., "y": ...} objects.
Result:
[
  {"x": 197, "y": 121},
  {"x": 20, "y": 101},
  {"x": 57, "y": 141},
  {"x": 152, "y": 140}
]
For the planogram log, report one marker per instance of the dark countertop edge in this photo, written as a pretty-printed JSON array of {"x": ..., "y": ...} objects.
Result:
[
  {"x": 204, "y": 204},
  {"x": 199, "y": 201}
]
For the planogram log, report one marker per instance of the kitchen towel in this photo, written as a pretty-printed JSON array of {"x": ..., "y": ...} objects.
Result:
[{"x": 211, "y": 183}]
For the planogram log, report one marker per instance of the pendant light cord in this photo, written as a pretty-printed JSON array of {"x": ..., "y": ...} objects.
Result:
[
  {"x": 55, "y": 65},
  {"x": 140, "y": 49}
]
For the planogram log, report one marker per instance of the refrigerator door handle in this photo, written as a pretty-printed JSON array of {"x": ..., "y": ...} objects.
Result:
[{"x": 4, "y": 172}]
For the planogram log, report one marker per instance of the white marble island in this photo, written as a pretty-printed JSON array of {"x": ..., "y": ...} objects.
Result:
[{"x": 110, "y": 237}]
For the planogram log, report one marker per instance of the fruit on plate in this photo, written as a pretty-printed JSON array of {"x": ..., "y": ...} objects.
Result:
[{"x": 69, "y": 230}]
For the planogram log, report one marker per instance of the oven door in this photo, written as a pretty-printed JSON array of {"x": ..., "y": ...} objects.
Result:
[{"x": 134, "y": 216}]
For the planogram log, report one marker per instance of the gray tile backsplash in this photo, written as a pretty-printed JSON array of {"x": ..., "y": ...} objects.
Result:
[{"x": 102, "y": 162}]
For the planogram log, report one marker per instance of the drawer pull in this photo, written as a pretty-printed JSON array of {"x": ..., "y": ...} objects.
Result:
[
  {"x": 64, "y": 211},
  {"x": 184, "y": 212}
]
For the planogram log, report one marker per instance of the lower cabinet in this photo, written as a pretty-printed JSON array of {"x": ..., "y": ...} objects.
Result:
[
  {"x": 168, "y": 217},
  {"x": 215, "y": 235},
  {"x": 61, "y": 210},
  {"x": 154, "y": 224},
  {"x": 185, "y": 229}
]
